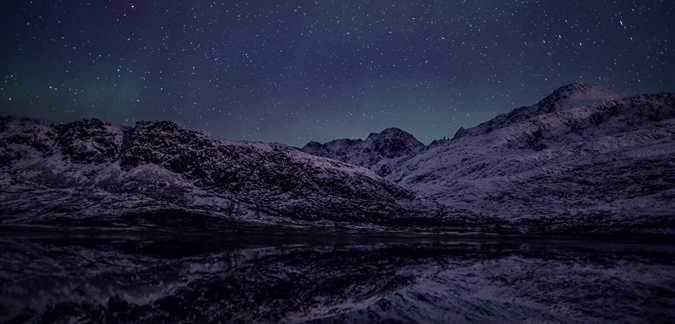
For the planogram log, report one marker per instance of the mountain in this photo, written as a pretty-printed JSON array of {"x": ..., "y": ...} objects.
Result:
[
  {"x": 567, "y": 97},
  {"x": 581, "y": 160},
  {"x": 160, "y": 174},
  {"x": 380, "y": 152}
]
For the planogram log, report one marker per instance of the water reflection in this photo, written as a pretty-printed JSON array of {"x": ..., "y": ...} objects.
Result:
[{"x": 250, "y": 279}]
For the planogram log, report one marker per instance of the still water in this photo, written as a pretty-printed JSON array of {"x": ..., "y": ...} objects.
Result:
[{"x": 125, "y": 278}]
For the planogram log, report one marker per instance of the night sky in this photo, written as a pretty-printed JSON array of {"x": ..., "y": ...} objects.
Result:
[{"x": 295, "y": 71}]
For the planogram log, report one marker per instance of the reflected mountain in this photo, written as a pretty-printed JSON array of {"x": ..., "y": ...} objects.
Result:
[{"x": 201, "y": 279}]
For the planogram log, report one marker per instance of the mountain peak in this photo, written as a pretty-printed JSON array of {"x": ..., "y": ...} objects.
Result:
[
  {"x": 574, "y": 95},
  {"x": 392, "y": 142},
  {"x": 380, "y": 152},
  {"x": 577, "y": 94},
  {"x": 392, "y": 132}
]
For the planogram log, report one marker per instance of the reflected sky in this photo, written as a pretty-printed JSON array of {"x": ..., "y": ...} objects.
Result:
[{"x": 122, "y": 278}]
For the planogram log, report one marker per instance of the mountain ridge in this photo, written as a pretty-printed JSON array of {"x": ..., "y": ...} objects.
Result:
[
  {"x": 583, "y": 160},
  {"x": 566, "y": 97},
  {"x": 380, "y": 152},
  {"x": 607, "y": 165},
  {"x": 162, "y": 165}
]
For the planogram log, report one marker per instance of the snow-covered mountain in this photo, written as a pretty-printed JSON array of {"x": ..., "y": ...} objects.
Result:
[
  {"x": 583, "y": 159},
  {"x": 380, "y": 152},
  {"x": 567, "y": 97},
  {"x": 94, "y": 173}
]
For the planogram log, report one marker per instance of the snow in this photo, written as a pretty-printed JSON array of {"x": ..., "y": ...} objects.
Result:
[
  {"x": 95, "y": 172},
  {"x": 581, "y": 160},
  {"x": 583, "y": 157},
  {"x": 380, "y": 152}
]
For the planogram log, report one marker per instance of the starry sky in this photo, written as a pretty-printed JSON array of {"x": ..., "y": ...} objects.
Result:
[{"x": 299, "y": 71}]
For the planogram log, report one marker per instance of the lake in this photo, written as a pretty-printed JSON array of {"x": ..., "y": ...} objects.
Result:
[{"x": 120, "y": 277}]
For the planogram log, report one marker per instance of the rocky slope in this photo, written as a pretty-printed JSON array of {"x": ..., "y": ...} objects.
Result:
[
  {"x": 380, "y": 152},
  {"x": 581, "y": 160},
  {"x": 93, "y": 173}
]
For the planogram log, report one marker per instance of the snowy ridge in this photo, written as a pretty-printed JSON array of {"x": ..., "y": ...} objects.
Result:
[
  {"x": 380, "y": 152},
  {"x": 564, "y": 98},
  {"x": 582, "y": 160},
  {"x": 94, "y": 173},
  {"x": 608, "y": 166}
]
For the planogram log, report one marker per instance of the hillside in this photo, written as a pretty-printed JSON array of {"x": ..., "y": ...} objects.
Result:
[
  {"x": 580, "y": 160},
  {"x": 94, "y": 173}
]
